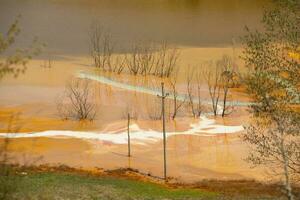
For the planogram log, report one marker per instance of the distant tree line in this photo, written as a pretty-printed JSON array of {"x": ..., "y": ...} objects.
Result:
[{"x": 145, "y": 58}]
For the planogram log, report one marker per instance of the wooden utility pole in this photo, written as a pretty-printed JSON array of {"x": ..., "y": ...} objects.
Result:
[
  {"x": 163, "y": 96},
  {"x": 128, "y": 135}
]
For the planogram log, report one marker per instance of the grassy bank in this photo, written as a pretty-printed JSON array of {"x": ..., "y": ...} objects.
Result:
[
  {"x": 74, "y": 185},
  {"x": 53, "y": 185}
]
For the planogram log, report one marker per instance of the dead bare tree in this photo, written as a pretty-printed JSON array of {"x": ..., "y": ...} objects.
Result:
[
  {"x": 172, "y": 58},
  {"x": 194, "y": 84},
  {"x": 213, "y": 79},
  {"x": 132, "y": 60},
  {"x": 100, "y": 47},
  {"x": 95, "y": 42},
  {"x": 117, "y": 63},
  {"x": 177, "y": 104},
  {"x": 199, "y": 106},
  {"x": 190, "y": 90},
  {"x": 228, "y": 75},
  {"x": 146, "y": 58},
  {"x": 166, "y": 60},
  {"x": 76, "y": 101},
  {"x": 149, "y": 59},
  {"x": 142, "y": 58}
]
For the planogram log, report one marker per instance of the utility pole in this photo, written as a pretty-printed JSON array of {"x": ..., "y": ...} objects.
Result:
[
  {"x": 128, "y": 135},
  {"x": 163, "y": 96}
]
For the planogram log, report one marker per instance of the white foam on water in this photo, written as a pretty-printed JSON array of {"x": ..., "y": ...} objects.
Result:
[
  {"x": 142, "y": 89},
  {"x": 204, "y": 127}
]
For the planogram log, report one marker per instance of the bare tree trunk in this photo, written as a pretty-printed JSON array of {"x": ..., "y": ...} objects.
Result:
[
  {"x": 224, "y": 102},
  {"x": 176, "y": 104},
  {"x": 287, "y": 183},
  {"x": 198, "y": 82},
  {"x": 132, "y": 61},
  {"x": 228, "y": 72},
  {"x": 175, "y": 108},
  {"x": 213, "y": 79},
  {"x": 165, "y": 60},
  {"x": 100, "y": 47},
  {"x": 190, "y": 77},
  {"x": 276, "y": 146}
]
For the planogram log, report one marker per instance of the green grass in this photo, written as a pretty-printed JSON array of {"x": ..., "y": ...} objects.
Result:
[
  {"x": 69, "y": 185},
  {"x": 72, "y": 186}
]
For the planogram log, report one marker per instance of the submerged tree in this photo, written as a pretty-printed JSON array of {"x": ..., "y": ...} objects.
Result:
[
  {"x": 193, "y": 80},
  {"x": 273, "y": 82},
  {"x": 145, "y": 58},
  {"x": 132, "y": 61},
  {"x": 213, "y": 79},
  {"x": 190, "y": 91},
  {"x": 166, "y": 60},
  {"x": 100, "y": 46},
  {"x": 177, "y": 104},
  {"x": 198, "y": 76},
  {"x": 220, "y": 76},
  {"x": 228, "y": 74},
  {"x": 152, "y": 59},
  {"x": 76, "y": 102}
]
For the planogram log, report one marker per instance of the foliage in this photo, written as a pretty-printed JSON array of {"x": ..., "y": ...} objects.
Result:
[
  {"x": 273, "y": 83},
  {"x": 15, "y": 62},
  {"x": 8, "y": 185}
]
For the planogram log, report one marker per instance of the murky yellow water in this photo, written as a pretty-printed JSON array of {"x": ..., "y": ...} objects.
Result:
[
  {"x": 190, "y": 158},
  {"x": 64, "y": 24},
  {"x": 203, "y": 30}
]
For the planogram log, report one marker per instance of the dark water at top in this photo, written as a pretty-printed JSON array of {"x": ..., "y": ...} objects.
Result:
[{"x": 64, "y": 24}]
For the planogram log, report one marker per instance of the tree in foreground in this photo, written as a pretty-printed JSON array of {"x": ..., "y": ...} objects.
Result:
[
  {"x": 7, "y": 183},
  {"x": 15, "y": 62},
  {"x": 273, "y": 82},
  {"x": 12, "y": 61}
]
